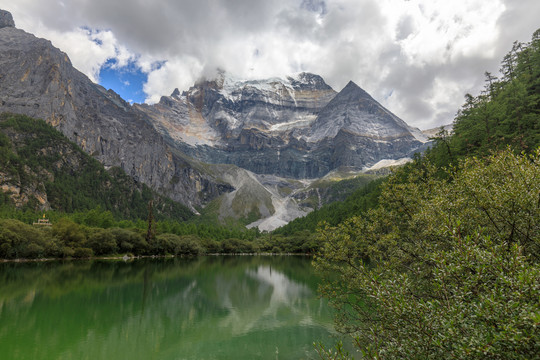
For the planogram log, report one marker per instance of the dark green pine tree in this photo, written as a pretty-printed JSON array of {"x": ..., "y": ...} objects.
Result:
[{"x": 150, "y": 234}]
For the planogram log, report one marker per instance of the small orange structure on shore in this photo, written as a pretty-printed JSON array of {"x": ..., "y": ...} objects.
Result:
[{"x": 42, "y": 222}]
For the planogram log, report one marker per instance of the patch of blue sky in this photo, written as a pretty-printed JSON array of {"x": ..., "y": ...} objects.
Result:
[{"x": 126, "y": 81}]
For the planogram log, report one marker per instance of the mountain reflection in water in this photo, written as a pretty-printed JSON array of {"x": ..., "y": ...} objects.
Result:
[{"x": 207, "y": 308}]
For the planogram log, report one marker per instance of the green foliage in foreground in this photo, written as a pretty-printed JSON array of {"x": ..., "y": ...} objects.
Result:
[
  {"x": 442, "y": 268},
  {"x": 447, "y": 265}
]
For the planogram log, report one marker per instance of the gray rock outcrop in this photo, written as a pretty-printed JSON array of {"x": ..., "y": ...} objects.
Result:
[{"x": 6, "y": 20}]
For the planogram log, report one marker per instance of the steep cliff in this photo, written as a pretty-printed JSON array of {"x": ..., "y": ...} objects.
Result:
[
  {"x": 38, "y": 80},
  {"x": 40, "y": 169}
]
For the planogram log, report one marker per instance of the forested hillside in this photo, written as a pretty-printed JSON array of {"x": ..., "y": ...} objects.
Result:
[
  {"x": 506, "y": 113},
  {"x": 40, "y": 170},
  {"x": 447, "y": 264}
]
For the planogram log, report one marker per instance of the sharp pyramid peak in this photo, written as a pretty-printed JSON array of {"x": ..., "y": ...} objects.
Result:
[
  {"x": 352, "y": 86},
  {"x": 352, "y": 89}
]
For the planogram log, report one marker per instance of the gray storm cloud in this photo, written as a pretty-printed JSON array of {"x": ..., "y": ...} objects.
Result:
[{"x": 426, "y": 54}]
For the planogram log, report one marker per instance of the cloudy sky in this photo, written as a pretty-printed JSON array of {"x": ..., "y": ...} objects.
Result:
[{"x": 417, "y": 57}]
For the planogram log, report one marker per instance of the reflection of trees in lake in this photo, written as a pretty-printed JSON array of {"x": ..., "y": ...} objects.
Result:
[{"x": 163, "y": 306}]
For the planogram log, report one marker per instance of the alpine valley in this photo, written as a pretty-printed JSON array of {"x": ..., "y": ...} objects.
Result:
[{"x": 262, "y": 152}]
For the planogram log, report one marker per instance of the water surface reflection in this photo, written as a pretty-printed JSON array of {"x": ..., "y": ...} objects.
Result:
[{"x": 206, "y": 308}]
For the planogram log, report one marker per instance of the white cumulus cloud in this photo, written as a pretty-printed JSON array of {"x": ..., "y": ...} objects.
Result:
[{"x": 417, "y": 57}]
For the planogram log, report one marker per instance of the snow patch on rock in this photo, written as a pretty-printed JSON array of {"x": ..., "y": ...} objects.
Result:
[{"x": 386, "y": 163}]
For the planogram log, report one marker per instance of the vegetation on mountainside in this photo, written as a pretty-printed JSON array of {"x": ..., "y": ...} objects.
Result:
[
  {"x": 447, "y": 264},
  {"x": 38, "y": 161},
  {"x": 506, "y": 113},
  {"x": 333, "y": 188}
]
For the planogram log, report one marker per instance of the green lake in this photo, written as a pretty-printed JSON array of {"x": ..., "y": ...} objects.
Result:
[{"x": 213, "y": 307}]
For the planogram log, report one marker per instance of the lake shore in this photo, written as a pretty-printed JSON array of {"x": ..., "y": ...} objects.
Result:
[{"x": 127, "y": 258}]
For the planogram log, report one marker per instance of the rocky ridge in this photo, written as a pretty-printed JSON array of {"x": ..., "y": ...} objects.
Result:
[
  {"x": 6, "y": 20},
  {"x": 296, "y": 127}
]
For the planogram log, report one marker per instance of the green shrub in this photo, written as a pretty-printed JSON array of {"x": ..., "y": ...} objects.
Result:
[
  {"x": 82, "y": 253},
  {"x": 210, "y": 246},
  {"x": 19, "y": 240},
  {"x": 189, "y": 245},
  {"x": 454, "y": 268},
  {"x": 102, "y": 241}
]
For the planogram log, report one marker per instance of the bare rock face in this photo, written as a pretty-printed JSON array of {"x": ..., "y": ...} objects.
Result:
[
  {"x": 359, "y": 132},
  {"x": 295, "y": 127},
  {"x": 254, "y": 124},
  {"x": 38, "y": 80},
  {"x": 6, "y": 20}
]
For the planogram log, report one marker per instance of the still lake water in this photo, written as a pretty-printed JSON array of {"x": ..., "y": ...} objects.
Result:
[{"x": 215, "y": 307}]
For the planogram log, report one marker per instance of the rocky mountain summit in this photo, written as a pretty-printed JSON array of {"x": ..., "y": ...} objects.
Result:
[
  {"x": 291, "y": 130},
  {"x": 296, "y": 127}
]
